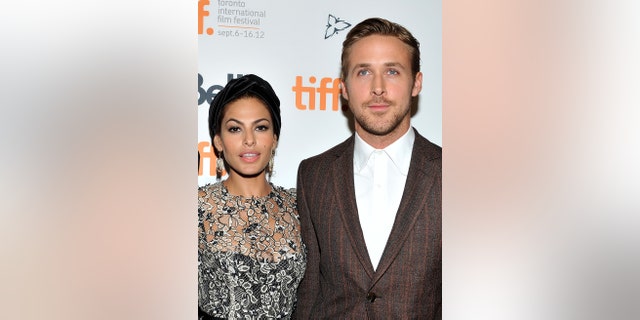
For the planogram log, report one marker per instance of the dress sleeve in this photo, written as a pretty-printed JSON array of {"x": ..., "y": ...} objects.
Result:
[{"x": 202, "y": 213}]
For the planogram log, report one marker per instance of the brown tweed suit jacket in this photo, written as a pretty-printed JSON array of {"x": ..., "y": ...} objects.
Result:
[{"x": 340, "y": 282}]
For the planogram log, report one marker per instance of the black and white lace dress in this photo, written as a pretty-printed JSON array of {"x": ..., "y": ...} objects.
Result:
[{"x": 250, "y": 256}]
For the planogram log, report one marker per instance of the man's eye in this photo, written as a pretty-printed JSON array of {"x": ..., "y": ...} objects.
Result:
[{"x": 363, "y": 72}]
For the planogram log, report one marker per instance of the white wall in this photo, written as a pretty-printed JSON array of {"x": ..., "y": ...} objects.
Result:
[{"x": 284, "y": 40}]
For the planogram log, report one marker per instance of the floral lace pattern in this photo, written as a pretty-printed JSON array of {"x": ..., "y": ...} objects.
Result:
[{"x": 251, "y": 258}]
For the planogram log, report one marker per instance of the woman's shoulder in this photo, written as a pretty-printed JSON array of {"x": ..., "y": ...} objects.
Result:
[
  {"x": 208, "y": 189},
  {"x": 290, "y": 192}
]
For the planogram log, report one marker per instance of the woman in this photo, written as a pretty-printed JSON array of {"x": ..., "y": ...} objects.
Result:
[{"x": 251, "y": 256}]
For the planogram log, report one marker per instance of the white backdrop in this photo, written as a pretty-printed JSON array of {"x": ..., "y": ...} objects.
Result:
[{"x": 287, "y": 41}]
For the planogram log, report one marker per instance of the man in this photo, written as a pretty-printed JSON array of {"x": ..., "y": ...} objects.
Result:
[{"x": 370, "y": 207}]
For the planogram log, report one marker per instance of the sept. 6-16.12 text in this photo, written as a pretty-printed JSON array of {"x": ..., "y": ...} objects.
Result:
[{"x": 241, "y": 33}]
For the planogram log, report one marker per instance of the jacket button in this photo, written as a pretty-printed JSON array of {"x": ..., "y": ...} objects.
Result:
[{"x": 371, "y": 297}]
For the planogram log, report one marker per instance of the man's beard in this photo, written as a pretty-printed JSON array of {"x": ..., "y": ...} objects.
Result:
[{"x": 372, "y": 123}]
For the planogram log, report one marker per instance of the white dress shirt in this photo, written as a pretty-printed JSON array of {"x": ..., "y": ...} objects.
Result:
[{"x": 379, "y": 179}]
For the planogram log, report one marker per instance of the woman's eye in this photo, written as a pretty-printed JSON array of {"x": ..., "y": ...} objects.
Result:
[
  {"x": 234, "y": 129},
  {"x": 262, "y": 128}
]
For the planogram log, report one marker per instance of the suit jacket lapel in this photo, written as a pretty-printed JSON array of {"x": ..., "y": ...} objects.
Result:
[
  {"x": 411, "y": 204},
  {"x": 347, "y": 206}
]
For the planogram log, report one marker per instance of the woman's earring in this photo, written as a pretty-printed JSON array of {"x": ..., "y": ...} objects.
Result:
[
  {"x": 270, "y": 166},
  {"x": 219, "y": 166}
]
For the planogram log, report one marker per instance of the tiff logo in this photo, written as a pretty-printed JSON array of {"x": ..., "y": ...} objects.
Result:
[
  {"x": 306, "y": 95},
  {"x": 203, "y": 12}
]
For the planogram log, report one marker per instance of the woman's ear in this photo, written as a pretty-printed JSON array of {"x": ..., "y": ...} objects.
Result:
[{"x": 217, "y": 142}]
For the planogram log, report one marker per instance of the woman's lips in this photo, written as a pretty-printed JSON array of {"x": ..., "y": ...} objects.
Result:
[{"x": 250, "y": 156}]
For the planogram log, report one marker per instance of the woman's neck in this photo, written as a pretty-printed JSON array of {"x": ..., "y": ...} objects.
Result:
[{"x": 247, "y": 187}]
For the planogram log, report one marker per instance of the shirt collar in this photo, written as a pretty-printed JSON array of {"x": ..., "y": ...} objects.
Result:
[{"x": 399, "y": 152}]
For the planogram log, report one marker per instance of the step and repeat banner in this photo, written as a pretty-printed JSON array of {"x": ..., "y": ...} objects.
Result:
[{"x": 296, "y": 46}]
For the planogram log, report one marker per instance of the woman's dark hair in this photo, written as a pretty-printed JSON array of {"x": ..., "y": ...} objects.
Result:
[{"x": 246, "y": 86}]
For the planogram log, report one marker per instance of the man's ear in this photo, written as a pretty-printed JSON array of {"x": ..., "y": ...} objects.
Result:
[
  {"x": 343, "y": 90},
  {"x": 417, "y": 84}
]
